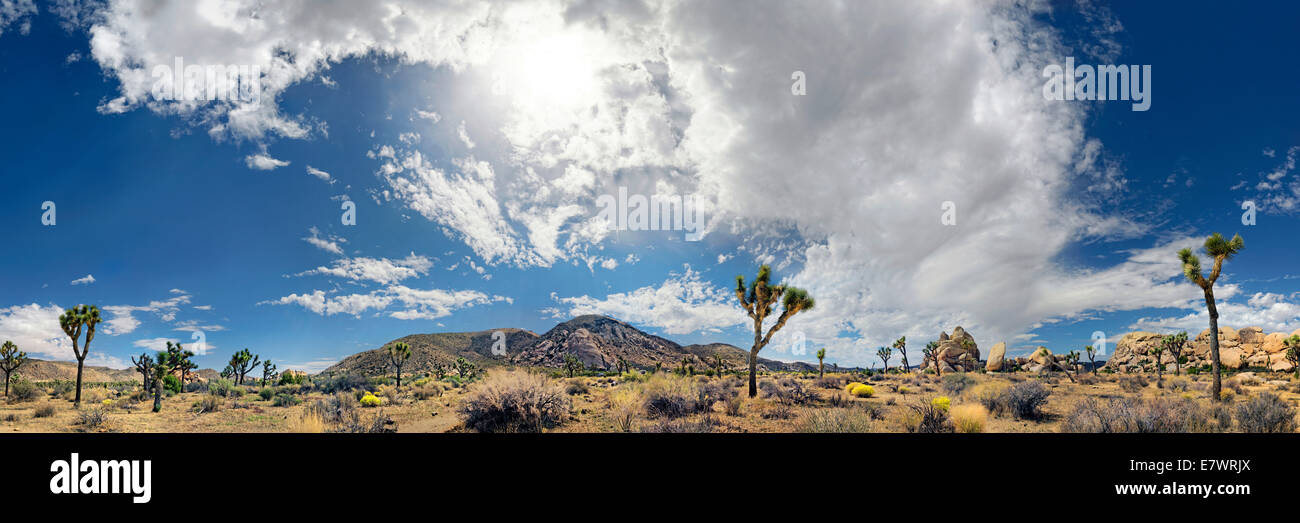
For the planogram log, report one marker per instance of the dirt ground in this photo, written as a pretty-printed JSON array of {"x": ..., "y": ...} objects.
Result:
[{"x": 595, "y": 405}]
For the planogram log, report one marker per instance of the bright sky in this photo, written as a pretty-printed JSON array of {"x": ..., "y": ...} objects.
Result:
[{"x": 476, "y": 143}]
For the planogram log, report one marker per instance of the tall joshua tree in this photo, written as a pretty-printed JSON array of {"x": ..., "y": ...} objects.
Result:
[
  {"x": 144, "y": 365},
  {"x": 1218, "y": 249},
  {"x": 901, "y": 345},
  {"x": 10, "y": 359},
  {"x": 74, "y": 321},
  {"x": 1156, "y": 352},
  {"x": 398, "y": 354},
  {"x": 931, "y": 353},
  {"x": 821, "y": 365},
  {"x": 719, "y": 365},
  {"x": 884, "y": 353},
  {"x": 178, "y": 361},
  {"x": 759, "y": 300},
  {"x": 1092, "y": 358},
  {"x": 1174, "y": 343},
  {"x": 242, "y": 363},
  {"x": 268, "y": 373}
]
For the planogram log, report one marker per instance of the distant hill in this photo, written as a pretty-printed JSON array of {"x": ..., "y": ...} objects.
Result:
[
  {"x": 431, "y": 350},
  {"x": 597, "y": 341},
  {"x": 41, "y": 370}
]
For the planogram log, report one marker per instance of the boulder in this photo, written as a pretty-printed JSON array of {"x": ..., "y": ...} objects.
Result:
[
  {"x": 996, "y": 356},
  {"x": 959, "y": 352}
]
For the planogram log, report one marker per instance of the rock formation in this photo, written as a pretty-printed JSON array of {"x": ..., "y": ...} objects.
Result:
[
  {"x": 996, "y": 356},
  {"x": 1248, "y": 347},
  {"x": 956, "y": 353}
]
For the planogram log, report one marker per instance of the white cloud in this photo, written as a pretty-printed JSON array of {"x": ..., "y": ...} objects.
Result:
[
  {"x": 327, "y": 243},
  {"x": 263, "y": 162},
  {"x": 35, "y": 329},
  {"x": 1269, "y": 311},
  {"x": 154, "y": 344},
  {"x": 16, "y": 12},
  {"x": 682, "y": 304},
  {"x": 86, "y": 280},
  {"x": 121, "y": 318},
  {"x": 320, "y": 174},
  {"x": 412, "y": 303},
  {"x": 381, "y": 270}
]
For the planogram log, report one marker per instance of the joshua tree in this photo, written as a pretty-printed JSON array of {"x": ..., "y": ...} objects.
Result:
[
  {"x": 242, "y": 363},
  {"x": 884, "y": 353},
  {"x": 1073, "y": 358},
  {"x": 144, "y": 366},
  {"x": 1174, "y": 343},
  {"x": 268, "y": 372},
  {"x": 719, "y": 366},
  {"x": 931, "y": 353},
  {"x": 228, "y": 372},
  {"x": 758, "y": 301},
  {"x": 572, "y": 364},
  {"x": 901, "y": 345},
  {"x": 465, "y": 369},
  {"x": 1293, "y": 353},
  {"x": 1156, "y": 352},
  {"x": 161, "y": 370},
  {"x": 1092, "y": 358},
  {"x": 73, "y": 321},
  {"x": 1219, "y": 250},
  {"x": 10, "y": 359},
  {"x": 621, "y": 365},
  {"x": 821, "y": 365},
  {"x": 178, "y": 360},
  {"x": 686, "y": 362},
  {"x": 398, "y": 354}
]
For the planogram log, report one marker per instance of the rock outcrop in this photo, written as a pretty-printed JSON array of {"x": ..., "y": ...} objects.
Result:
[
  {"x": 1248, "y": 347},
  {"x": 956, "y": 353},
  {"x": 996, "y": 356}
]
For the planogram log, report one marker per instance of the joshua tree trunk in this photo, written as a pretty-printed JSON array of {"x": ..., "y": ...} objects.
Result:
[
  {"x": 80, "y": 361},
  {"x": 753, "y": 372},
  {"x": 1214, "y": 341},
  {"x": 157, "y": 395}
]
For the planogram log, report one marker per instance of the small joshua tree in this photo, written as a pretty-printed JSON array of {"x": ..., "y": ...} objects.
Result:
[
  {"x": 1174, "y": 343},
  {"x": 758, "y": 301},
  {"x": 884, "y": 353},
  {"x": 1156, "y": 352},
  {"x": 178, "y": 360},
  {"x": 144, "y": 366},
  {"x": 268, "y": 373},
  {"x": 684, "y": 369},
  {"x": 1092, "y": 358},
  {"x": 74, "y": 321},
  {"x": 161, "y": 369},
  {"x": 931, "y": 354},
  {"x": 719, "y": 365},
  {"x": 1219, "y": 250},
  {"x": 1293, "y": 353},
  {"x": 10, "y": 359},
  {"x": 398, "y": 354},
  {"x": 242, "y": 363},
  {"x": 1073, "y": 358},
  {"x": 572, "y": 364},
  {"x": 465, "y": 369},
  {"x": 821, "y": 365},
  {"x": 901, "y": 345}
]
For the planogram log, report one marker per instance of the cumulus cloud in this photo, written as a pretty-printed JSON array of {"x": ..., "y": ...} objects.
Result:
[
  {"x": 263, "y": 162},
  {"x": 35, "y": 329},
  {"x": 1270, "y": 311},
  {"x": 86, "y": 280},
  {"x": 410, "y": 304},
  {"x": 382, "y": 270},
  {"x": 16, "y": 13},
  {"x": 683, "y": 303}
]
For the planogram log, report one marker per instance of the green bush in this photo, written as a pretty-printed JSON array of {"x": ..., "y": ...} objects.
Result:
[
  {"x": 208, "y": 403},
  {"x": 224, "y": 388},
  {"x": 266, "y": 393},
  {"x": 1266, "y": 413},
  {"x": 23, "y": 390},
  {"x": 172, "y": 383},
  {"x": 285, "y": 400}
]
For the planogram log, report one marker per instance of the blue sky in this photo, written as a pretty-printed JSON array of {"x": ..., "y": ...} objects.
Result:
[{"x": 475, "y": 141}]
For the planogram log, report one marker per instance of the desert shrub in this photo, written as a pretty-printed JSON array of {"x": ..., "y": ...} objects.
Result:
[
  {"x": 838, "y": 420},
  {"x": 941, "y": 403},
  {"x": 44, "y": 411},
  {"x": 969, "y": 418},
  {"x": 1246, "y": 381},
  {"x": 827, "y": 382},
  {"x": 23, "y": 390},
  {"x": 1179, "y": 384},
  {"x": 989, "y": 394},
  {"x": 863, "y": 391},
  {"x": 170, "y": 383},
  {"x": 370, "y": 400},
  {"x": 353, "y": 424},
  {"x": 624, "y": 405},
  {"x": 1025, "y": 400},
  {"x": 266, "y": 393},
  {"x": 705, "y": 424},
  {"x": 426, "y": 391},
  {"x": 345, "y": 382},
  {"x": 92, "y": 418},
  {"x": 848, "y": 389},
  {"x": 59, "y": 388},
  {"x": 1227, "y": 395},
  {"x": 515, "y": 402},
  {"x": 1089, "y": 379},
  {"x": 1266, "y": 413},
  {"x": 224, "y": 388},
  {"x": 838, "y": 400},
  {"x": 954, "y": 384},
  {"x": 577, "y": 386},
  {"x": 787, "y": 392},
  {"x": 208, "y": 403},
  {"x": 285, "y": 400},
  {"x": 1136, "y": 415},
  {"x": 292, "y": 378},
  {"x": 1133, "y": 384},
  {"x": 733, "y": 404},
  {"x": 778, "y": 411},
  {"x": 928, "y": 419},
  {"x": 334, "y": 408},
  {"x": 196, "y": 386},
  {"x": 1222, "y": 416},
  {"x": 665, "y": 396},
  {"x": 309, "y": 422}
]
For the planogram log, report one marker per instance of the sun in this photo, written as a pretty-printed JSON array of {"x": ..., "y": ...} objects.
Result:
[{"x": 556, "y": 72}]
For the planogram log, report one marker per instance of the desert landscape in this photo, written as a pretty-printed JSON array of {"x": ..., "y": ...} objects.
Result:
[{"x": 599, "y": 374}]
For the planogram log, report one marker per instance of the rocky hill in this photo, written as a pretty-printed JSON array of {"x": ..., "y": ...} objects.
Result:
[
  {"x": 41, "y": 370},
  {"x": 1248, "y": 347},
  {"x": 597, "y": 341},
  {"x": 432, "y": 350}
]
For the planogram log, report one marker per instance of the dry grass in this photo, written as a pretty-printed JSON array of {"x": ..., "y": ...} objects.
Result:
[{"x": 969, "y": 418}]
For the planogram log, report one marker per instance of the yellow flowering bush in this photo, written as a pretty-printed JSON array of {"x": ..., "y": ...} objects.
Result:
[
  {"x": 863, "y": 391},
  {"x": 849, "y": 388},
  {"x": 941, "y": 403},
  {"x": 370, "y": 400}
]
